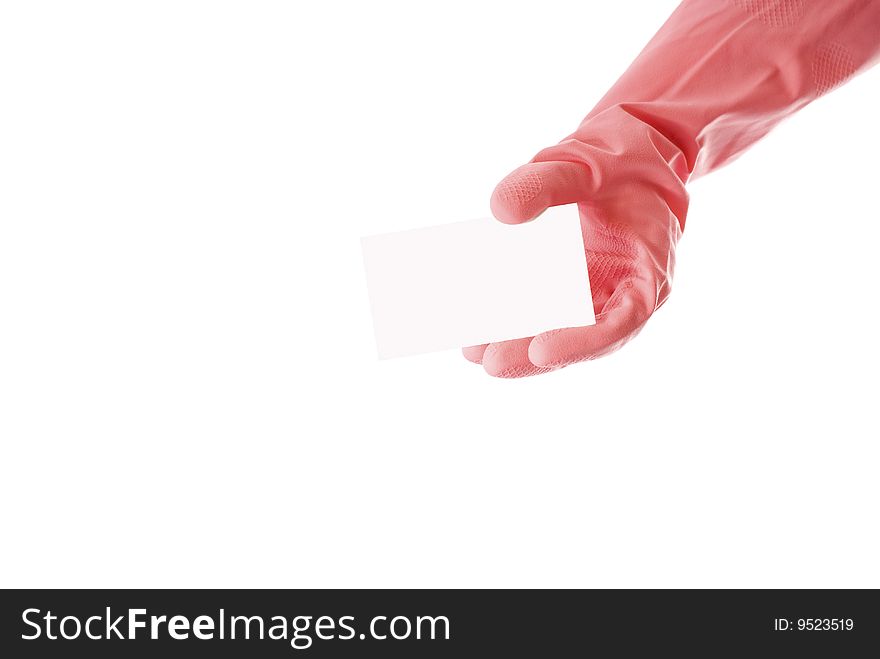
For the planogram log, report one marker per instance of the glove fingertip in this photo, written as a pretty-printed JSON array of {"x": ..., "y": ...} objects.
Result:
[
  {"x": 474, "y": 353},
  {"x": 548, "y": 351},
  {"x": 517, "y": 198}
]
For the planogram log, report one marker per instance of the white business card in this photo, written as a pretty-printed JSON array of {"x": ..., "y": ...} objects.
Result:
[{"x": 477, "y": 281}]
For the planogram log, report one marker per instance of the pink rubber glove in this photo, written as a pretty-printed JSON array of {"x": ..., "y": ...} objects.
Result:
[{"x": 714, "y": 80}]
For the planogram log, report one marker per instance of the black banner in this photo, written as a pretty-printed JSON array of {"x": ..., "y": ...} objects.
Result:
[{"x": 439, "y": 623}]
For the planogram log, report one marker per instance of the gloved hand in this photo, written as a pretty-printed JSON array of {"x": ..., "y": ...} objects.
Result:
[
  {"x": 632, "y": 206},
  {"x": 717, "y": 77}
]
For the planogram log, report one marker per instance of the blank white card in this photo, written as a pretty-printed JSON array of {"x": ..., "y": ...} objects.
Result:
[{"x": 476, "y": 282}]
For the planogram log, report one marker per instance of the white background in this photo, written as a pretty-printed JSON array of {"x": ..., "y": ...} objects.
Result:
[{"x": 189, "y": 391}]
